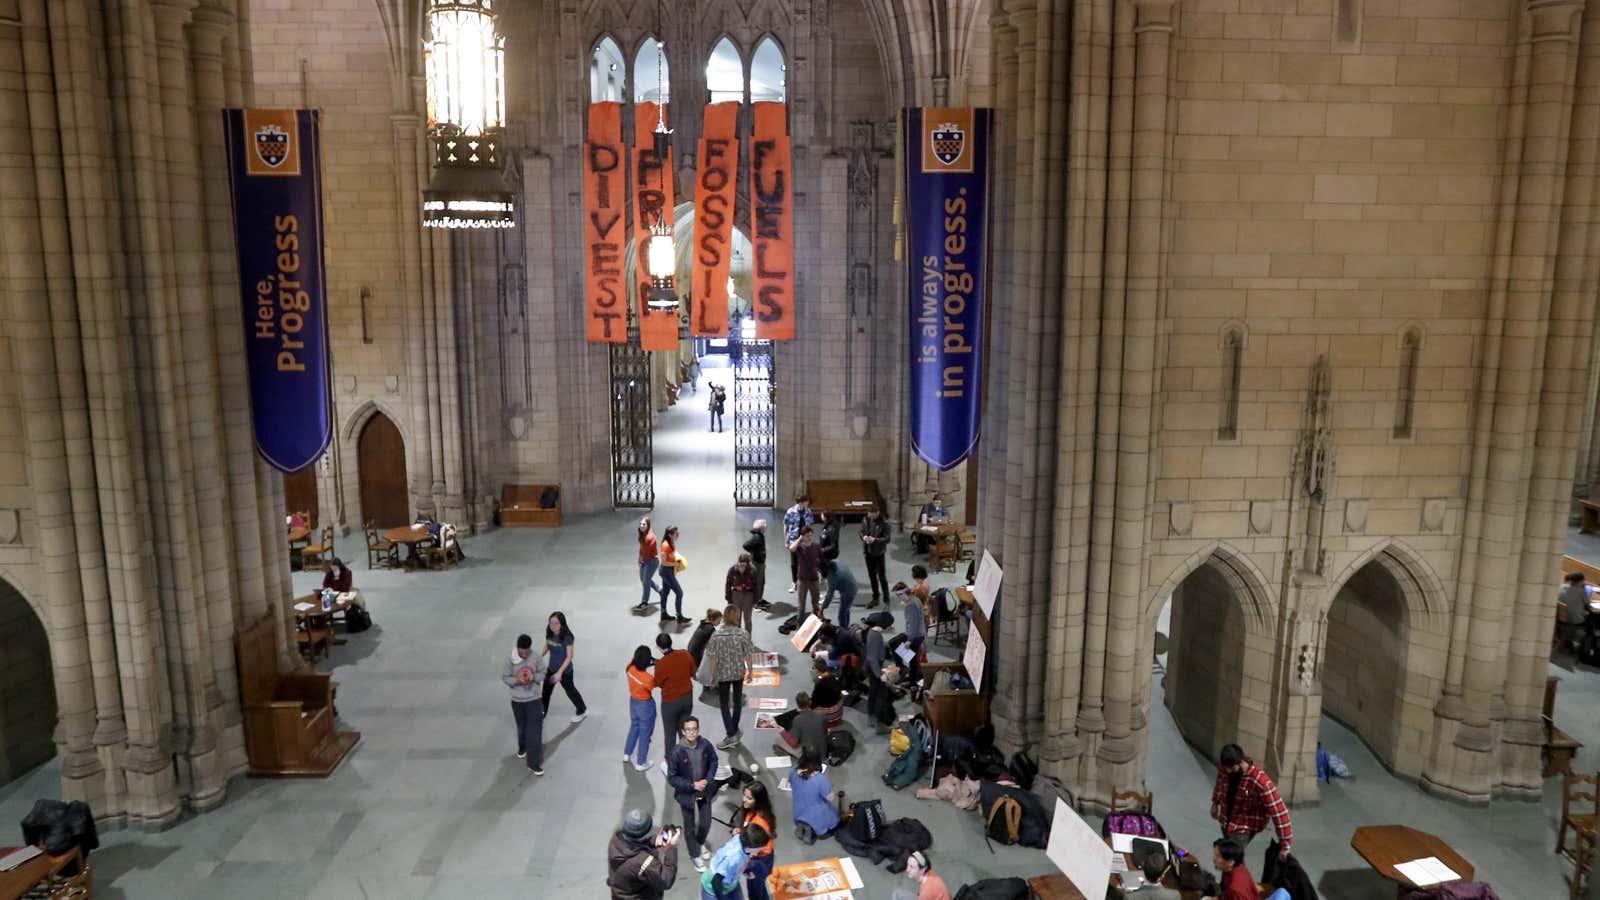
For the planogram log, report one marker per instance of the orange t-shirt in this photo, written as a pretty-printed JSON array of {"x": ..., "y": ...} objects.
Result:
[
  {"x": 640, "y": 684},
  {"x": 675, "y": 675},
  {"x": 647, "y": 547},
  {"x": 668, "y": 555},
  {"x": 755, "y": 818}
]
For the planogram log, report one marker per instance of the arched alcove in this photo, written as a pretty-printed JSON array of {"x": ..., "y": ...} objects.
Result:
[
  {"x": 652, "y": 82},
  {"x": 381, "y": 462},
  {"x": 725, "y": 73},
  {"x": 27, "y": 688},
  {"x": 769, "y": 74}
]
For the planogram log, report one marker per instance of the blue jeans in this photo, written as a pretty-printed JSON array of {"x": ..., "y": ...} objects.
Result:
[
  {"x": 847, "y": 598},
  {"x": 641, "y": 721},
  {"x": 647, "y": 576},
  {"x": 670, "y": 585},
  {"x": 755, "y": 877}
]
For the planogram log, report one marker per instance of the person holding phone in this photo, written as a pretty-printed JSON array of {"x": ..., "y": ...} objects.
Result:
[{"x": 643, "y": 865}]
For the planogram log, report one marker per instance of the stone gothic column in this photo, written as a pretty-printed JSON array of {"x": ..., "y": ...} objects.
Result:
[{"x": 410, "y": 174}]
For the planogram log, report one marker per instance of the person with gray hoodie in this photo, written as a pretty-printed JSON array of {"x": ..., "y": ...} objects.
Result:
[{"x": 523, "y": 674}]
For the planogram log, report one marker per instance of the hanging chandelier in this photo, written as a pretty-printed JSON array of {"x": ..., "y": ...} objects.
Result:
[
  {"x": 465, "y": 64},
  {"x": 661, "y": 256}
]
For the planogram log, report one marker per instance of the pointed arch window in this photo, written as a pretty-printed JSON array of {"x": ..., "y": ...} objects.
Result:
[
  {"x": 1233, "y": 367},
  {"x": 1406, "y": 390},
  {"x": 651, "y": 81},
  {"x": 769, "y": 73},
  {"x": 607, "y": 72},
  {"x": 725, "y": 73}
]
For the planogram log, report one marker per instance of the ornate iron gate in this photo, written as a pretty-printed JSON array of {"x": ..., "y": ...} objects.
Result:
[
  {"x": 755, "y": 426},
  {"x": 632, "y": 456}
]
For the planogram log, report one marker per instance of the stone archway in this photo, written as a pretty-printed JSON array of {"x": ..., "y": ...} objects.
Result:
[{"x": 27, "y": 688}]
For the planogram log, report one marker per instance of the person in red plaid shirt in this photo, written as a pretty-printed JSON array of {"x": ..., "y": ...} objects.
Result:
[{"x": 1244, "y": 798}]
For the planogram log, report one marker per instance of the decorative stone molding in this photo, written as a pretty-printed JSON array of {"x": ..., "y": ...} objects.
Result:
[
  {"x": 1433, "y": 514},
  {"x": 1180, "y": 519},
  {"x": 391, "y": 383},
  {"x": 1260, "y": 517},
  {"x": 1553, "y": 20},
  {"x": 10, "y": 527},
  {"x": 1355, "y": 516},
  {"x": 347, "y": 384}
]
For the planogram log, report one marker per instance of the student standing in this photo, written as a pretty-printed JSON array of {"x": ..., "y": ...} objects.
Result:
[
  {"x": 808, "y": 571},
  {"x": 797, "y": 517},
  {"x": 558, "y": 644},
  {"x": 830, "y": 535},
  {"x": 730, "y": 648},
  {"x": 842, "y": 581},
  {"x": 649, "y": 561},
  {"x": 641, "y": 709},
  {"x": 642, "y": 865},
  {"x": 815, "y": 804},
  {"x": 875, "y": 547},
  {"x": 669, "y": 574},
  {"x": 521, "y": 675},
  {"x": 755, "y": 811},
  {"x": 675, "y": 680},
  {"x": 756, "y": 546},
  {"x": 740, "y": 590},
  {"x": 1244, "y": 798},
  {"x": 692, "y": 773},
  {"x": 702, "y": 634}
]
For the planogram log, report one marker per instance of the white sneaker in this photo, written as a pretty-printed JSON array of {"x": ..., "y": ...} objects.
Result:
[
  {"x": 705, "y": 854},
  {"x": 664, "y": 767},
  {"x": 627, "y": 758},
  {"x": 641, "y": 767},
  {"x": 784, "y": 786},
  {"x": 699, "y": 864},
  {"x": 522, "y": 754},
  {"x": 579, "y": 717},
  {"x": 791, "y": 587}
]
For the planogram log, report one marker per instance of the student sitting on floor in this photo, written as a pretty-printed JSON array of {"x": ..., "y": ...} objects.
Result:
[{"x": 808, "y": 731}]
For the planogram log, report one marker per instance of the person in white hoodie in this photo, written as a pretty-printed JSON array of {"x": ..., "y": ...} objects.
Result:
[{"x": 524, "y": 675}]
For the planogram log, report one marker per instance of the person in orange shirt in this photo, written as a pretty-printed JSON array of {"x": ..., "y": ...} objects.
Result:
[
  {"x": 675, "y": 680},
  {"x": 669, "y": 574},
  {"x": 641, "y": 708},
  {"x": 929, "y": 885},
  {"x": 649, "y": 561},
  {"x": 755, "y": 808}
]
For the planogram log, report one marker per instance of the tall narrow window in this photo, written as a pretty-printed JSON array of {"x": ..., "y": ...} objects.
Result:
[
  {"x": 1233, "y": 360},
  {"x": 651, "y": 83},
  {"x": 1406, "y": 394},
  {"x": 607, "y": 72},
  {"x": 768, "y": 73},
  {"x": 725, "y": 73},
  {"x": 1347, "y": 25}
]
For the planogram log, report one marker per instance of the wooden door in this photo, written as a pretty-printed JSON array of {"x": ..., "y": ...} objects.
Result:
[
  {"x": 381, "y": 456},
  {"x": 300, "y": 492}
]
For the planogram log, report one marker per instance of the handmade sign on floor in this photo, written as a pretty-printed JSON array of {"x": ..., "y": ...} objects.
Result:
[
  {"x": 806, "y": 633},
  {"x": 822, "y": 879},
  {"x": 763, "y": 678},
  {"x": 767, "y": 660},
  {"x": 773, "y": 704}
]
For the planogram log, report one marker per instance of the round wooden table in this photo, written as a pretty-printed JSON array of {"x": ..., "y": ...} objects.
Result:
[
  {"x": 1385, "y": 846},
  {"x": 412, "y": 538}
]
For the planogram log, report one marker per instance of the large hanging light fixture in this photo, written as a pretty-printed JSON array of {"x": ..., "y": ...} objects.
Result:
[
  {"x": 661, "y": 256},
  {"x": 465, "y": 61}
]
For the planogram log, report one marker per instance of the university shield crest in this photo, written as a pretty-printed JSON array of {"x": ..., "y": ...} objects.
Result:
[
  {"x": 272, "y": 145},
  {"x": 949, "y": 140}
]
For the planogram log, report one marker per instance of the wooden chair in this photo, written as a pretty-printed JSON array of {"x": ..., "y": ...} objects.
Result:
[
  {"x": 942, "y": 555},
  {"x": 1580, "y": 811},
  {"x": 966, "y": 546},
  {"x": 1133, "y": 801},
  {"x": 316, "y": 556},
  {"x": 948, "y": 619},
  {"x": 379, "y": 551},
  {"x": 313, "y": 634},
  {"x": 447, "y": 552}
]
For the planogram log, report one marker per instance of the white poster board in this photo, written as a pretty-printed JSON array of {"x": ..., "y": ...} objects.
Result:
[
  {"x": 973, "y": 657},
  {"x": 1079, "y": 852},
  {"x": 806, "y": 632},
  {"x": 987, "y": 586}
]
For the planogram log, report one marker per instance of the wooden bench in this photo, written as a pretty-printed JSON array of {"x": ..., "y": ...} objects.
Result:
[
  {"x": 844, "y": 497},
  {"x": 519, "y": 506},
  {"x": 1559, "y": 747},
  {"x": 289, "y": 716},
  {"x": 1589, "y": 515}
]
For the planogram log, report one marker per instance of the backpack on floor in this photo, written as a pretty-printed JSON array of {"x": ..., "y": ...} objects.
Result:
[
  {"x": 841, "y": 744},
  {"x": 790, "y": 624},
  {"x": 1003, "y": 820},
  {"x": 866, "y": 820},
  {"x": 356, "y": 620},
  {"x": 1024, "y": 768},
  {"x": 995, "y": 889},
  {"x": 907, "y": 767}
]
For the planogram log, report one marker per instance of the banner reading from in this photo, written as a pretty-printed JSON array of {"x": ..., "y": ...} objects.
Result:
[
  {"x": 947, "y": 165},
  {"x": 718, "y": 166},
  {"x": 772, "y": 223},
  {"x": 605, "y": 225},
  {"x": 653, "y": 199},
  {"x": 275, "y": 168}
]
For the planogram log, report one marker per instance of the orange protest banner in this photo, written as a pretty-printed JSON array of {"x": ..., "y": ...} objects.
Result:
[
  {"x": 658, "y": 330},
  {"x": 718, "y": 166},
  {"x": 772, "y": 223},
  {"x": 605, "y": 225},
  {"x": 652, "y": 195}
]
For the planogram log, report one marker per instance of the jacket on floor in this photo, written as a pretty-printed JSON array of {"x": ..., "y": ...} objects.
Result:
[{"x": 639, "y": 869}]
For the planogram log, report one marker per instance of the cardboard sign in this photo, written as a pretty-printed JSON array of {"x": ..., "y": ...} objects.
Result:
[
  {"x": 806, "y": 633},
  {"x": 973, "y": 659},
  {"x": 717, "y": 167},
  {"x": 1079, "y": 852},
  {"x": 605, "y": 226},
  {"x": 986, "y": 587},
  {"x": 772, "y": 223}
]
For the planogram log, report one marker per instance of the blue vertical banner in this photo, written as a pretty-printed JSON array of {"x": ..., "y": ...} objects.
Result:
[
  {"x": 275, "y": 167},
  {"x": 946, "y": 223}
]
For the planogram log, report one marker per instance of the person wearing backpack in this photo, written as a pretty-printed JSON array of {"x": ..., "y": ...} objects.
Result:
[
  {"x": 929, "y": 885},
  {"x": 816, "y": 812}
]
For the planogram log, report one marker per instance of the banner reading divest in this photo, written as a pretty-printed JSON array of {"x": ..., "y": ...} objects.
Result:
[
  {"x": 652, "y": 195},
  {"x": 947, "y": 166},
  {"x": 716, "y": 168},
  {"x": 605, "y": 227},
  {"x": 275, "y": 168},
  {"x": 772, "y": 222}
]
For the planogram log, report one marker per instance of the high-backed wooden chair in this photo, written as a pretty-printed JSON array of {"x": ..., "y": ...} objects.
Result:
[
  {"x": 316, "y": 555},
  {"x": 379, "y": 551},
  {"x": 288, "y": 716},
  {"x": 1580, "y": 813},
  {"x": 1133, "y": 801},
  {"x": 447, "y": 552}
]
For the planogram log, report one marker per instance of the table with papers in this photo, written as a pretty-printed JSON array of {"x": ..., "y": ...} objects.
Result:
[{"x": 1404, "y": 855}]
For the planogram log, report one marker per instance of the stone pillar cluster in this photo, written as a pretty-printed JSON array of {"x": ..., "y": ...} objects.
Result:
[{"x": 154, "y": 530}]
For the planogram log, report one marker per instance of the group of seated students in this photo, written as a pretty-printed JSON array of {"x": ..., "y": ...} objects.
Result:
[{"x": 1285, "y": 882}]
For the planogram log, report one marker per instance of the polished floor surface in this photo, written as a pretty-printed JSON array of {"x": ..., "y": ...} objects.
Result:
[{"x": 433, "y": 803}]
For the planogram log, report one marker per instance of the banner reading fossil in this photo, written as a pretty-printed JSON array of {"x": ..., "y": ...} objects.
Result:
[{"x": 717, "y": 165}]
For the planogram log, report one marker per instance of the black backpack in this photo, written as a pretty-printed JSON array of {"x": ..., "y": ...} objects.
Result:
[
  {"x": 995, "y": 889},
  {"x": 866, "y": 820},
  {"x": 789, "y": 624},
  {"x": 1003, "y": 820},
  {"x": 1024, "y": 768},
  {"x": 357, "y": 619},
  {"x": 549, "y": 497},
  {"x": 841, "y": 744}
]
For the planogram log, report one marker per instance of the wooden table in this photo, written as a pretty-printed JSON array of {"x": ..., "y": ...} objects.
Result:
[
  {"x": 317, "y": 612},
  {"x": 412, "y": 538},
  {"x": 843, "y": 497},
  {"x": 24, "y": 878},
  {"x": 1385, "y": 846},
  {"x": 1057, "y": 886}
]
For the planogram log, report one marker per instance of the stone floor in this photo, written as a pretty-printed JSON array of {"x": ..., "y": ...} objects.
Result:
[{"x": 433, "y": 804}]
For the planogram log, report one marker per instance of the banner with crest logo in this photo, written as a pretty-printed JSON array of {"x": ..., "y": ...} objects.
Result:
[
  {"x": 716, "y": 167},
  {"x": 947, "y": 168},
  {"x": 275, "y": 167}
]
